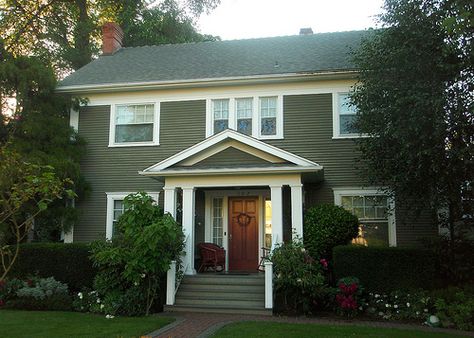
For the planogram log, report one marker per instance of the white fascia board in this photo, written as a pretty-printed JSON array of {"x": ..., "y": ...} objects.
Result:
[
  {"x": 206, "y": 82},
  {"x": 233, "y": 171},
  {"x": 229, "y": 134}
]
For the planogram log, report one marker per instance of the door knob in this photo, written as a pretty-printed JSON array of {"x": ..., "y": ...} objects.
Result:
[{"x": 230, "y": 236}]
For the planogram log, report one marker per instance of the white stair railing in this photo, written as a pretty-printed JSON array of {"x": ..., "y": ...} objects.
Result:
[{"x": 174, "y": 276}]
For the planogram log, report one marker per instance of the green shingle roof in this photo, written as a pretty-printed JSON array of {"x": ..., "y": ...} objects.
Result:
[{"x": 207, "y": 60}]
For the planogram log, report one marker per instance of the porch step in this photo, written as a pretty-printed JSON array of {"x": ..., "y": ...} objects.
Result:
[
  {"x": 217, "y": 309},
  {"x": 221, "y": 293}
]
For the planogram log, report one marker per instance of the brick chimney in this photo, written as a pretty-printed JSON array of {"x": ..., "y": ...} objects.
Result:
[
  {"x": 112, "y": 36},
  {"x": 306, "y": 31}
]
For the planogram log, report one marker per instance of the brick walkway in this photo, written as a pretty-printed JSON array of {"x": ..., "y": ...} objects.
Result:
[{"x": 202, "y": 325}]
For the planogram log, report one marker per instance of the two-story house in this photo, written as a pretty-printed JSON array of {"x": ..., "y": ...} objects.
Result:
[{"x": 234, "y": 138}]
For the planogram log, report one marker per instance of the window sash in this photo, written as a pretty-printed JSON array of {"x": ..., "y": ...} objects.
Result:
[
  {"x": 220, "y": 109},
  {"x": 268, "y": 107},
  {"x": 134, "y": 123},
  {"x": 366, "y": 207},
  {"x": 134, "y": 114}
]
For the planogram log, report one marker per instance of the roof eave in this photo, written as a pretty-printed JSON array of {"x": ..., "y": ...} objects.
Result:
[
  {"x": 208, "y": 82},
  {"x": 233, "y": 171}
]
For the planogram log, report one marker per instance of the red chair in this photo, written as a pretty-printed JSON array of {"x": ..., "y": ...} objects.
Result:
[{"x": 212, "y": 256}]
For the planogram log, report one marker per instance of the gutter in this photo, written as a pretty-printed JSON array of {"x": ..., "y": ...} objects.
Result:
[{"x": 207, "y": 82}]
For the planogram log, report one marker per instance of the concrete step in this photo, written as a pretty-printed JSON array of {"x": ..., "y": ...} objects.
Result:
[
  {"x": 196, "y": 287},
  {"x": 234, "y": 303},
  {"x": 220, "y": 294},
  {"x": 213, "y": 309},
  {"x": 224, "y": 279}
]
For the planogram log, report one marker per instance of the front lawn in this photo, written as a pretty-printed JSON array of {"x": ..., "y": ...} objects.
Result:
[
  {"x": 273, "y": 329},
  {"x": 39, "y": 324}
]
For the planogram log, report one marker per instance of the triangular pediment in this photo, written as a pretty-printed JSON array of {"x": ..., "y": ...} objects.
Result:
[{"x": 230, "y": 149}]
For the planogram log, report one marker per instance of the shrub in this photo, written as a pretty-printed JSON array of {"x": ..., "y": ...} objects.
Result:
[
  {"x": 298, "y": 277},
  {"x": 68, "y": 263},
  {"x": 326, "y": 226},
  {"x": 386, "y": 269},
  {"x": 133, "y": 265},
  {"x": 455, "y": 308},
  {"x": 348, "y": 296},
  {"x": 399, "y": 304},
  {"x": 39, "y": 294}
]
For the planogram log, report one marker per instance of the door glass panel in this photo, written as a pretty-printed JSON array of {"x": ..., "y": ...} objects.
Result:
[{"x": 217, "y": 221}]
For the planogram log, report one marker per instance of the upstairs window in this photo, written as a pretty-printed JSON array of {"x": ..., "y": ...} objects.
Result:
[
  {"x": 257, "y": 116},
  {"x": 244, "y": 112},
  {"x": 268, "y": 116},
  {"x": 134, "y": 124},
  {"x": 221, "y": 115},
  {"x": 347, "y": 115}
]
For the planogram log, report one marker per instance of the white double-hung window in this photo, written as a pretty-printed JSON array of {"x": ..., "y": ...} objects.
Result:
[
  {"x": 257, "y": 116},
  {"x": 134, "y": 124},
  {"x": 345, "y": 115},
  {"x": 375, "y": 212}
]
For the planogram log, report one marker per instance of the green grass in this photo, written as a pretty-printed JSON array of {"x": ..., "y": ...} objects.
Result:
[
  {"x": 272, "y": 329},
  {"x": 51, "y": 324}
]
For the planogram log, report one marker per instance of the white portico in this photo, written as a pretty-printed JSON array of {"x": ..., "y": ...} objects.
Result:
[{"x": 244, "y": 173}]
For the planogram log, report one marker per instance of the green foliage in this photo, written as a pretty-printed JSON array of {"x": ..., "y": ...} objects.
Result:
[
  {"x": 385, "y": 269},
  {"x": 298, "y": 278},
  {"x": 326, "y": 226},
  {"x": 132, "y": 266},
  {"x": 68, "y": 263},
  {"x": 399, "y": 305},
  {"x": 416, "y": 97},
  {"x": 26, "y": 190},
  {"x": 67, "y": 34},
  {"x": 37, "y": 294},
  {"x": 39, "y": 133},
  {"x": 456, "y": 309}
]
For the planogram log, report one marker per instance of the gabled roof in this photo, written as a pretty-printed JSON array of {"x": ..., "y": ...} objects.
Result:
[
  {"x": 187, "y": 162},
  {"x": 300, "y": 54}
]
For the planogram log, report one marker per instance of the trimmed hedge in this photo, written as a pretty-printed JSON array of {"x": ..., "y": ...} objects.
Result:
[
  {"x": 385, "y": 269},
  {"x": 68, "y": 263}
]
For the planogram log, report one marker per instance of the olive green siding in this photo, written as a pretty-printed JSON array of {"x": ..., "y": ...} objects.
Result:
[
  {"x": 115, "y": 169},
  {"x": 230, "y": 157},
  {"x": 308, "y": 132}
]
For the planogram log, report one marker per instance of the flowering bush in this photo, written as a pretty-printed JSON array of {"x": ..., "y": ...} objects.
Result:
[
  {"x": 455, "y": 307},
  {"x": 8, "y": 289},
  {"x": 298, "y": 277},
  {"x": 348, "y": 296},
  {"x": 399, "y": 305}
]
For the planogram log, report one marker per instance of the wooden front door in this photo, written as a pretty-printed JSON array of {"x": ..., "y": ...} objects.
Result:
[{"x": 243, "y": 233}]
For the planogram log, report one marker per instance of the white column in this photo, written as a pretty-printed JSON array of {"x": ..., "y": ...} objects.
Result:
[
  {"x": 170, "y": 200},
  {"x": 277, "y": 214},
  {"x": 297, "y": 210},
  {"x": 188, "y": 229},
  {"x": 268, "y": 285}
]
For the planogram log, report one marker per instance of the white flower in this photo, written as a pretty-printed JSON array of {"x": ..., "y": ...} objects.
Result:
[
  {"x": 109, "y": 316},
  {"x": 303, "y": 250},
  {"x": 408, "y": 304},
  {"x": 279, "y": 275},
  {"x": 102, "y": 306},
  {"x": 377, "y": 295},
  {"x": 360, "y": 308},
  {"x": 388, "y": 305},
  {"x": 98, "y": 300},
  {"x": 143, "y": 275},
  {"x": 136, "y": 283},
  {"x": 395, "y": 306},
  {"x": 417, "y": 312},
  {"x": 80, "y": 295},
  {"x": 380, "y": 313},
  {"x": 396, "y": 297},
  {"x": 426, "y": 310},
  {"x": 299, "y": 280}
]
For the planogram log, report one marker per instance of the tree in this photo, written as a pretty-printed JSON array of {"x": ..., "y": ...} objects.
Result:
[
  {"x": 26, "y": 190},
  {"x": 67, "y": 33},
  {"x": 39, "y": 132},
  {"x": 415, "y": 96}
]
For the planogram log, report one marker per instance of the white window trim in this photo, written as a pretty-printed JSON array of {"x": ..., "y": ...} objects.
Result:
[
  {"x": 392, "y": 225},
  {"x": 156, "y": 126},
  {"x": 336, "y": 127},
  {"x": 119, "y": 196},
  {"x": 255, "y": 115}
]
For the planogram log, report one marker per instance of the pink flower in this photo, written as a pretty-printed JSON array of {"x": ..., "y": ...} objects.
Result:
[{"x": 324, "y": 262}]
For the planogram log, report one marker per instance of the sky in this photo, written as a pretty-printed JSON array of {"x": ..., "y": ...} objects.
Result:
[{"x": 242, "y": 19}]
